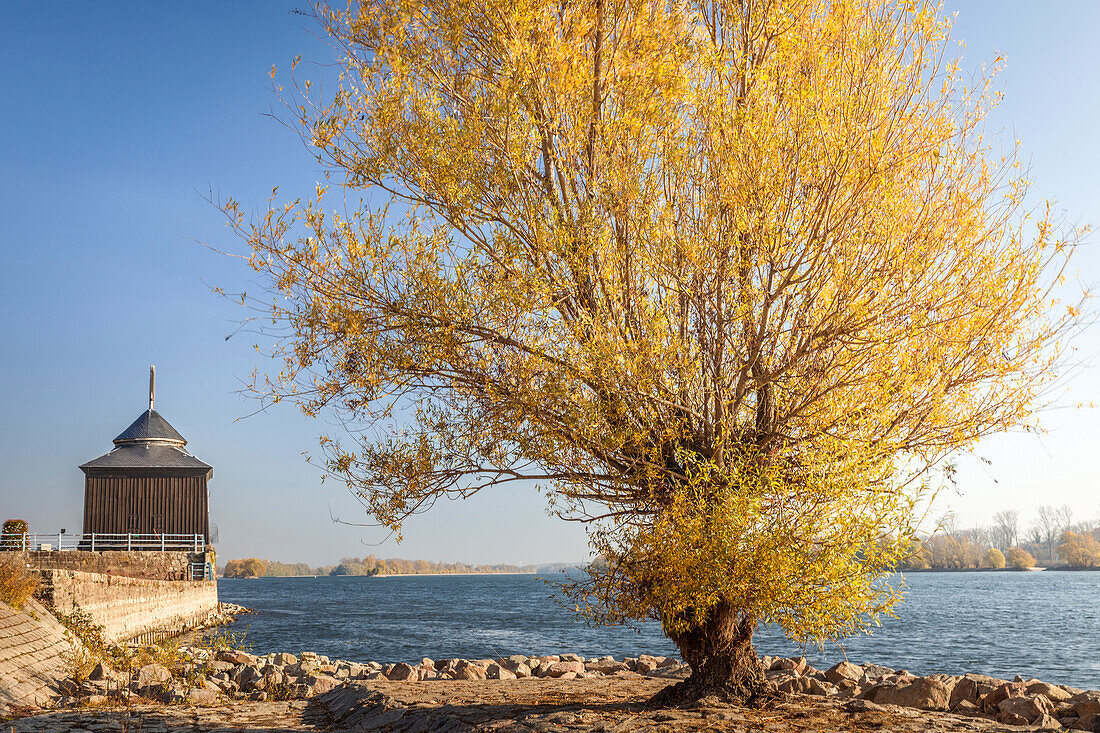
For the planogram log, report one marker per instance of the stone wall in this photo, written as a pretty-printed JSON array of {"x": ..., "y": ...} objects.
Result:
[
  {"x": 132, "y": 608},
  {"x": 34, "y": 655},
  {"x": 153, "y": 565}
]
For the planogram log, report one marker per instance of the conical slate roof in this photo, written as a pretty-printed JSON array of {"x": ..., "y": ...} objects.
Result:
[
  {"x": 147, "y": 455},
  {"x": 149, "y": 443},
  {"x": 150, "y": 427}
]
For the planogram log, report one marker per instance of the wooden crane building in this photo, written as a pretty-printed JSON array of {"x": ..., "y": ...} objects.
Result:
[{"x": 148, "y": 484}]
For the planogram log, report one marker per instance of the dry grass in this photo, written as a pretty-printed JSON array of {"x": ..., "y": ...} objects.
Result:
[
  {"x": 88, "y": 648},
  {"x": 86, "y": 645},
  {"x": 80, "y": 660},
  {"x": 17, "y": 584}
]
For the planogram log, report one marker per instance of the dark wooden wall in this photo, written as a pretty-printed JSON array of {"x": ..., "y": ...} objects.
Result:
[{"x": 146, "y": 504}]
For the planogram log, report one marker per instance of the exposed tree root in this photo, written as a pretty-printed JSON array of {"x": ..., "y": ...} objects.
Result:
[
  {"x": 723, "y": 662},
  {"x": 687, "y": 693}
]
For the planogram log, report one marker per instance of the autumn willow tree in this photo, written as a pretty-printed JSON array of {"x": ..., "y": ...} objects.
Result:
[{"x": 729, "y": 280}]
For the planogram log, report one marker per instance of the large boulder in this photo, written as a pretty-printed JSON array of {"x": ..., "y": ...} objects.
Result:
[
  {"x": 151, "y": 674},
  {"x": 873, "y": 673},
  {"x": 402, "y": 672},
  {"x": 949, "y": 680},
  {"x": 605, "y": 665},
  {"x": 1054, "y": 693},
  {"x": 246, "y": 675},
  {"x": 203, "y": 695},
  {"x": 236, "y": 656},
  {"x": 972, "y": 688},
  {"x": 821, "y": 688},
  {"x": 780, "y": 676},
  {"x": 991, "y": 703},
  {"x": 103, "y": 673},
  {"x": 319, "y": 684},
  {"x": 519, "y": 669},
  {"x": 924, "y": 693},
  {"x": 303, "y": 667},
  {"x": 795, "y": 683},
  {"x": 560, "y": 669},
  {"x": 1011, "y": 718},
  {"x": 796, "y": 664},
  {"x": 299, "y": 692},
  {"x": 1047, "y": 722},
  {"x": 848, "y": 688},
  {"x": 271, "y": 678},
  {"x": 1086, "y": 703},
  {"x": 1029, "y": 707},
  {"x": 497, "y": 672},
  {"x": 1090, "y": 722},
  {"x": 470, "y": 671},
  {"x": 225, "y": 685},
  {"x": 843, "y": 671}
]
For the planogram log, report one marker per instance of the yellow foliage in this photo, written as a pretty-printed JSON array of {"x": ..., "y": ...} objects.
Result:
[
  {"x": 994, "y": 558},
  {"x": 17, "y": 584},
  {"x": 1079, "y": 550},
  {"x": 729, "y": 280},
  {"x": 253, "y": 567},
  {"x": 1019, "y": 558}
]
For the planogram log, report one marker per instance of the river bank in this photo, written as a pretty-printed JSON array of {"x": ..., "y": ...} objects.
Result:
[
  {"x": 203, "y": 688},
  {"x": 542, "y": 706}
]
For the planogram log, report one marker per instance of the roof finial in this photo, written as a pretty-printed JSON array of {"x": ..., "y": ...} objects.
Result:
[{"x": 152, "y": 385}]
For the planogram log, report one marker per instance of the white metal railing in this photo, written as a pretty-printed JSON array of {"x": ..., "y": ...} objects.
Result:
[
  {"x": 57, "y": 541},
  {"x": 202, "y": 571}
]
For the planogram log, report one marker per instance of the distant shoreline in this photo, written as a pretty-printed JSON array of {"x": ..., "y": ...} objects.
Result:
[
  {"x": 999, "y": 570},
  {"x": 429, "y": 575},
  {"x": 387, "y": 575},
  {"x": 536, "y": 572}
]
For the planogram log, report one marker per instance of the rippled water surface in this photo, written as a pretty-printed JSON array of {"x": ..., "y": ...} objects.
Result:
[{"x": 1044, "y": 624}]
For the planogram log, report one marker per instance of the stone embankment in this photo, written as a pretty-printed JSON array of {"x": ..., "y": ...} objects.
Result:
[
  {"x": 33, "y": 649},
  {"x": 147, "y": 565},
  {"x": 131, "y": 608},
  {"x": 38, "y": 653},
  {"x": 565, "y": 693}
]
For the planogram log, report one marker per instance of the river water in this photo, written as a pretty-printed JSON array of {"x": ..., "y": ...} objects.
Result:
[{"x": 1042, "y": 624}]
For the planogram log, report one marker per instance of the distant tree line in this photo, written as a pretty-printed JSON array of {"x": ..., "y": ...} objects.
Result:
[
  {"x": 370, "y": 565},
  {"x": 1052, "y": 540},
  {"x": 254, "y": 567}
]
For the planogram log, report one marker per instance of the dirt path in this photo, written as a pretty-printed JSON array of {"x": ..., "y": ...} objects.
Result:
[{"x": 608, "y": 705}]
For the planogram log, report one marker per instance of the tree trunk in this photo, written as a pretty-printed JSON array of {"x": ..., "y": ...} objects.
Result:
[{"x": 722, "y": 658}]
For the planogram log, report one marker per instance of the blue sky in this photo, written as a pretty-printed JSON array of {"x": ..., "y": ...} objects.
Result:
[{"x": 119, "y": 119}]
